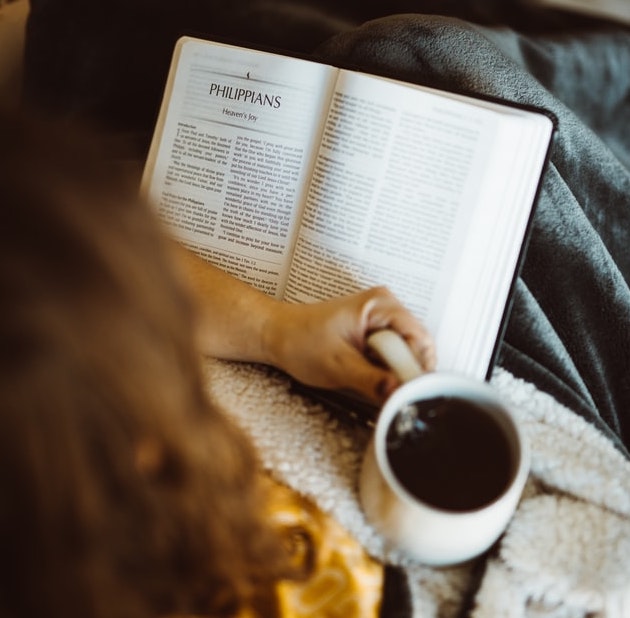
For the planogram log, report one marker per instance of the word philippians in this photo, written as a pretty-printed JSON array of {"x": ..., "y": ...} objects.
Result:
[{"x": 246, "y": 95}]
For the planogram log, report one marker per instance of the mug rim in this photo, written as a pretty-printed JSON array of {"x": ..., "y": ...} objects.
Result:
[{"x": 401, "y": 396}]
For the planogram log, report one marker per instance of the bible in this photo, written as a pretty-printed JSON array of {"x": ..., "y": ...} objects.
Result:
[{"x": 310, "y": 181}]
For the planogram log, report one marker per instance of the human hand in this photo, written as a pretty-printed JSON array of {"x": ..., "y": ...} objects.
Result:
[
  {"x": 324, "y": 344},
  {"x": 320, "y": 344}
]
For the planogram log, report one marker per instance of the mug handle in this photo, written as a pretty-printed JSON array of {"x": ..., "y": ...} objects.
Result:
[{"x": 393, "y": 350}]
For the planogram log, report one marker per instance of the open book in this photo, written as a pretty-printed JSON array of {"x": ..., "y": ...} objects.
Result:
[{"x": 310, "y": 181}]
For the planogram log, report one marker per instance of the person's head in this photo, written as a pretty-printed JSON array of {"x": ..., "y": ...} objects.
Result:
[{"x": 122, "y": 491}]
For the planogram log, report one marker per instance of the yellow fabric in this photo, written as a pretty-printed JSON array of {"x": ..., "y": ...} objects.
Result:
[{"x": 343, "y": 580}]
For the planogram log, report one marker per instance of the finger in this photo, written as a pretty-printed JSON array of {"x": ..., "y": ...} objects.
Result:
[
  {"x": 383, "y": 310},
  {"x": 360, "y": 375},
  {"x": 421, "y": 344}
]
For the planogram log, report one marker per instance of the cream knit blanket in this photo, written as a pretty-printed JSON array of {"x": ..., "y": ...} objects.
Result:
[{"x": 566, "y": 553}]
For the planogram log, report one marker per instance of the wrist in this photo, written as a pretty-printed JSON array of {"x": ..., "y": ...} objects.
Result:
[{"x": 274, "y": 333}]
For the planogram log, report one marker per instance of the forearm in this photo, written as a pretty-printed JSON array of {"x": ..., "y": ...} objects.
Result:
[{"x": 233, "y": 315}]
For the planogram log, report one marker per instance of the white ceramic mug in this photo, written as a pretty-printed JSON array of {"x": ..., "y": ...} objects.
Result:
[{"x": 435, "y": 535}]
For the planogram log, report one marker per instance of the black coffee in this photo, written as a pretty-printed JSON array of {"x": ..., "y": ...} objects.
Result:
[{"x": 454, "y": 457}]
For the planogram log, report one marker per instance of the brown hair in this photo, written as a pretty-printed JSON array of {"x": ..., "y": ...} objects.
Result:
[{"x": 122, "y": 491}]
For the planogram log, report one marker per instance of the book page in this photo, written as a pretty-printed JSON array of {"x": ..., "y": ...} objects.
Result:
[
  {"x": 234, "y": 144},
  {"x": 406, "y": 192}
]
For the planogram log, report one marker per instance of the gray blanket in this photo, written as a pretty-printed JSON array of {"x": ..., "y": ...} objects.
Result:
[{"x": 569, "y": 331}]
